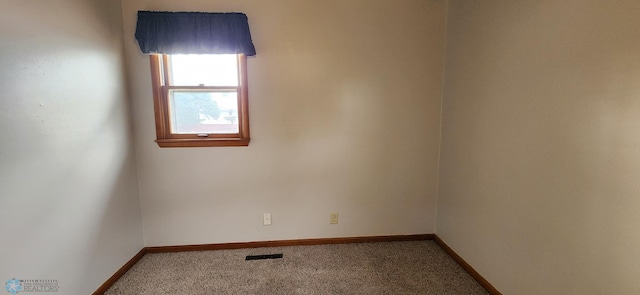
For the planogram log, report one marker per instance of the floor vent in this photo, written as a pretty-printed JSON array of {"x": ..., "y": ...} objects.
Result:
[{"x": 267, "y": 256}]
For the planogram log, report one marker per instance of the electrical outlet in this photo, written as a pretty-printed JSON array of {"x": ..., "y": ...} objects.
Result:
[
  {"x": 266, "y": 219},
  {"x": 333, "y": 218}
]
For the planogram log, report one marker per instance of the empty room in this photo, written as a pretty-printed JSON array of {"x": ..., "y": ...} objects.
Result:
[{"x": 320, "y": 147}]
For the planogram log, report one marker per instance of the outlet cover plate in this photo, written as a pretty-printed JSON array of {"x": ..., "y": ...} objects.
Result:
[
  {"x": 266, "y": 220},
  {"x": 333, "y": 218}
]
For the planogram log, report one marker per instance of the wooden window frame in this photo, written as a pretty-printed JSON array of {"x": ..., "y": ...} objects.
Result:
[{"x": 164, "y": 136}]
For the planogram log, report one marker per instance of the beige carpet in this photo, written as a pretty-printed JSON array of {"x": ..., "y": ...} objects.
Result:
[{"x": 419, "y": 267}]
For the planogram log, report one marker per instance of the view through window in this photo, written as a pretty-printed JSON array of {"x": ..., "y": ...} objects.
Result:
[{"x": 204, "y": 112}]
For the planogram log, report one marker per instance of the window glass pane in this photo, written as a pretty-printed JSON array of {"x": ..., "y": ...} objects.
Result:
[
  {"x": 204, "y": 69},
  {"x": 210, "y": 112}
]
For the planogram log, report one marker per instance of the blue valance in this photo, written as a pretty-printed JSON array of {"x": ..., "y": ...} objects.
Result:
[{"x": 194, "y": 33}]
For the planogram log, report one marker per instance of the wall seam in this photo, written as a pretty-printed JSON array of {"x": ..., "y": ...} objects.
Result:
[
  {"x": 444, "y": 67},
  {"x": 132, "y": 128}
]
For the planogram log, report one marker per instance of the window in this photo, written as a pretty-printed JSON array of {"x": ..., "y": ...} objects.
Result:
[
  {"x": 200, "y": 100},
  {"x": 198, "y": 75}
]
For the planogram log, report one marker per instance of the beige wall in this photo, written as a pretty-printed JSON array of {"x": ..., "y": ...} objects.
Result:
[
  {"x": 541, "y": 144},
  {"x": 345, "y": 109},
  {"x": 68, "y": 188}
]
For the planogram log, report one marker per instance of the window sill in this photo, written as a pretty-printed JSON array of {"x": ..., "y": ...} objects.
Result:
[{"x": 209, "y": 142}]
